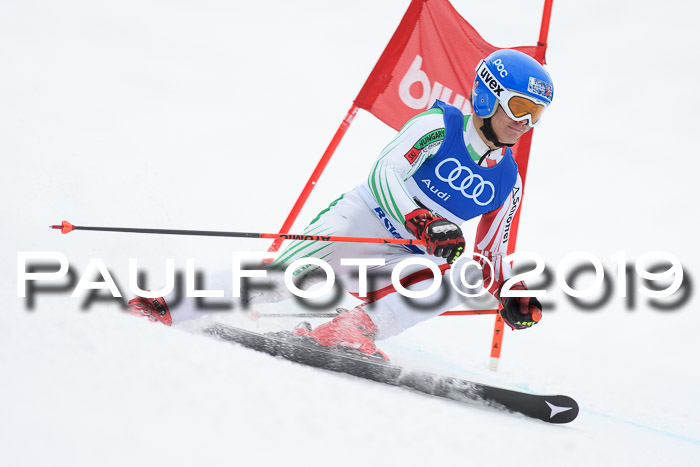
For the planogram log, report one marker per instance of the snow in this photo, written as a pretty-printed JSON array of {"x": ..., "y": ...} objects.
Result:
[{"x": 211, "y": 115}]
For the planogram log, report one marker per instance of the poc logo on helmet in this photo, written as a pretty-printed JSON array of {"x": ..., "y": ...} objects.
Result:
[{"x": 501, "y": 68}]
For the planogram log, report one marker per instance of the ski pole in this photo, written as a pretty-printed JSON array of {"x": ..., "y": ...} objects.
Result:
[
  {"x": 255, "y": 316},
  {"x": 66, "y": 227}
]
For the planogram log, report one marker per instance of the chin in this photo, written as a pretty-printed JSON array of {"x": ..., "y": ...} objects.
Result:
[{"x": 510, "y": 140}]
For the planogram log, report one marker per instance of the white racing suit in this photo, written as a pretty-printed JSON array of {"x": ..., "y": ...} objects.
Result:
[{"x": 411, "y": 173}]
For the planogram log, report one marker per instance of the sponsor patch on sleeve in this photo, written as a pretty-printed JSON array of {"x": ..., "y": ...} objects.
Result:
[{"x": 427, "y": 142}]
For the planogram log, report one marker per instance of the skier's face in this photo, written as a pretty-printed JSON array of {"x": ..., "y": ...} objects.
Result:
[{"x": 507, "y": 130}]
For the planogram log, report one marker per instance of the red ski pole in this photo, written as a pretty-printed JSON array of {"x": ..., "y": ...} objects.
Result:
[{"x": 66, "y": 227}]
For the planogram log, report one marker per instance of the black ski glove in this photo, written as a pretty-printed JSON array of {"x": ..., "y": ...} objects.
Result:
[
  {"x": 519, "y": 312},
  {"x": 442, "y": 237}
]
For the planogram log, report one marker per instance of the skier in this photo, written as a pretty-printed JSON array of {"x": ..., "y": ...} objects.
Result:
[{"x": 442, "y": 169}]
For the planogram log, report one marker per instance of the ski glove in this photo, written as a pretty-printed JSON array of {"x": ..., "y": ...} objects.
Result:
[
  {"x": 442, "y": 237},
  {"x": 519, "y": 312}
]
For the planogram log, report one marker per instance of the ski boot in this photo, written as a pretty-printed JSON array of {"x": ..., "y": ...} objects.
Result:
[
  {"x": 154, "y": 309},
  {"x": 351, "y": 329}
]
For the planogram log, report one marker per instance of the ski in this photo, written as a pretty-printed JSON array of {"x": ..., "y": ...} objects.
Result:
[{"x": 285, "y": 344}]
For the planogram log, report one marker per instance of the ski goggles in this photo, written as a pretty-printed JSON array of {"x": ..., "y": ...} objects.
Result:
[{"x": 518, "y": 106}]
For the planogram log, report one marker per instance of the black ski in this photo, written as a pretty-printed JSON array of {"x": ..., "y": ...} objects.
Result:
[{"x": 552, "y": 409}]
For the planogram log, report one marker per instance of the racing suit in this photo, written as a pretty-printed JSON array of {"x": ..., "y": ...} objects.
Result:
[{"x": 464, "y": 180}]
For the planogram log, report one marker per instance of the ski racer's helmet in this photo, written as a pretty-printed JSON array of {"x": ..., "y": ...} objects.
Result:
[{"x": 516, "y": 81}]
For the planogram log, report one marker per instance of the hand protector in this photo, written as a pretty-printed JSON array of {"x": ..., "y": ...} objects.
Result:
[
  {"x": 442, "y": 237},
  {"x": 519, "y": 312}
]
